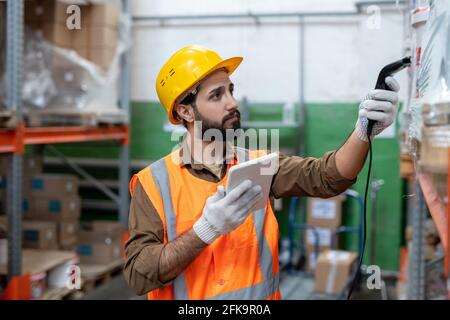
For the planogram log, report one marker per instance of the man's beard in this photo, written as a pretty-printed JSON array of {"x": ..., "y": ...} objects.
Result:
[{"x": 208, "y": 124}]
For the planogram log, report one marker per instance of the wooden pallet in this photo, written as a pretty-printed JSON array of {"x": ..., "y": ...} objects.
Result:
[
  {"x": 8, "y": 119},
  {"x": 52, "y": 118},
  {"x": 93, "y": 275}
]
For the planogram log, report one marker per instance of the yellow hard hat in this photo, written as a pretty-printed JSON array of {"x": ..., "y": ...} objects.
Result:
[{"x": 184, "y": 70}]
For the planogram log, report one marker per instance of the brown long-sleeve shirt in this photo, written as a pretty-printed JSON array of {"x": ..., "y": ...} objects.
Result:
[{"x": 296, "y": 176}]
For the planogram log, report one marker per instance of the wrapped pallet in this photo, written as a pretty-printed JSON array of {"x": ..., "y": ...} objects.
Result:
[
  {"x": 71, "y": 63},
  {"x": 431, "y": 90}
]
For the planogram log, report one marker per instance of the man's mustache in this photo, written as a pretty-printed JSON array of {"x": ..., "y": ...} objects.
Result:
[{"x": 232, "y": 114}]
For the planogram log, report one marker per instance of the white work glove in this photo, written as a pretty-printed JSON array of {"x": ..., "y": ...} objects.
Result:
[
  {"x": 378, "y": 105},
  {"x": 224, "y": 213}
]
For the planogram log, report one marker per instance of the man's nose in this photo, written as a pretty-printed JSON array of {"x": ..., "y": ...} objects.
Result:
[{"x": 231, "y": 102}]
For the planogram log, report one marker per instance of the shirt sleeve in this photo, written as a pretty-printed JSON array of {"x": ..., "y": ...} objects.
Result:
[
  {"x": 312, "y": 177},
  {"x": 144, "y": 247}
]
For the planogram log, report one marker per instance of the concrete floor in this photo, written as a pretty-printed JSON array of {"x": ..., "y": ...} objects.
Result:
[
  {"x": 292, "y": 287},
  {"x": 296, "y": 286},
  {"x": 116, "y": 289}
]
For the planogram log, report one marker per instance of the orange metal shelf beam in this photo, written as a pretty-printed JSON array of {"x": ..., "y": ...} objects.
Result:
[
  {"x": 439, "y": 211},
  {"x": 14, "y": 140},
  {"x": 73, "y": 134},
  {"x": 436, "y": 206}
]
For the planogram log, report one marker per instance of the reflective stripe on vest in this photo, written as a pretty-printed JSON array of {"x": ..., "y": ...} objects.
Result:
[
  {"x": 160, "y": 175},
  {"x": 270, "y": 283}
]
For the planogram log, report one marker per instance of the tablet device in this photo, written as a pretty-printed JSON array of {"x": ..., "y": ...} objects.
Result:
[{"x": 260, "y": 171}]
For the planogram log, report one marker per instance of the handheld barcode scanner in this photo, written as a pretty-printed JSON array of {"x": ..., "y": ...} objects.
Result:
[{"x": 387, "y": 71}]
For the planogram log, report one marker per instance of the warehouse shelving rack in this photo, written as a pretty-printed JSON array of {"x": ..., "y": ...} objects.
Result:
[
  {"x": 13, "y": 141},
  {"x": 427, "y": 198}
]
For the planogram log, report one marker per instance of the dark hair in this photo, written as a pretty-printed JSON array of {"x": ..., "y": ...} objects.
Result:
[{"x": 188, "y": 100}]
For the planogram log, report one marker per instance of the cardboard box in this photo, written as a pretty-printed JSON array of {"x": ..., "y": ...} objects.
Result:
[
  {"x": 100, "y": 230},
  {"x": 81, "y": 38},
  {"x": 83, "y": 52},
  {"x": 92, "y": 14},
  {"x": 325, "y": 236},
  {"x": 406, "y": 166},
  {"x": 26, "y": 186},
  {"x": 4, "y": 201},
  {"x": 104, "y": 15},
  {"x": 102, "y": 56},
  {"x": 100, "y": 242},
  {"x": 58, "y": 34},
  {"x": 54, "y": 185},
  {"x": 103, "y": 36},
  {"x": 333, "y": 270},
  {"x": 56, "y": 208},
  {"x": 325, "y": 213},
  {"x": 96, "y": 39},
  {"x": 32, "y": 164},
  {"x": 432, "y": 159},
  {"x": 39, "y": 235},
  {"x": 68, "y": 235},
  {"x": 54, "y": 10},
  {"x": 100, "y": 253},
  {"x": 33, "y": 14},
  {"x": 311, "y": 259},
  {"x": 36, "y": 234}
]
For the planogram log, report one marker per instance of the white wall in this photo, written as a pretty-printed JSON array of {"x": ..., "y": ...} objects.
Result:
[{"x": 342, "y": 55}]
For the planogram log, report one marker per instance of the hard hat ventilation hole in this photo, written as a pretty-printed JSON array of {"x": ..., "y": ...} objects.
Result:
[
  {"x": 162, "y": 83},
  {"x": 172, "y": 73}
]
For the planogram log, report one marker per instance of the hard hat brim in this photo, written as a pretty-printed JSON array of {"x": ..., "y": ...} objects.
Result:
[{"x": 229, "y": 64}]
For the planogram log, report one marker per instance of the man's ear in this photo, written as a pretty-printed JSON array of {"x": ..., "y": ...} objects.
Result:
[{"x": 184, "y": 112}]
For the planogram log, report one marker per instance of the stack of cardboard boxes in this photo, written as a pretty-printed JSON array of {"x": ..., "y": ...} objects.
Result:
[
  {"x": 54, "y": 198},
  {"x": 51, "y": 206},
  {"x": 325, "y": 216},
  {"x": 100, "y": 242},
  {"x": 32, "y": 164},
  {"x": 52, "y": 213},
  {"x": 332, "y": 268},
  {"x": 89, "y": 29}
]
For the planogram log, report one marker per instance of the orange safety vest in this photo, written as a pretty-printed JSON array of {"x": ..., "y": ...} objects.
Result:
[{"x": 242, "y": 264}]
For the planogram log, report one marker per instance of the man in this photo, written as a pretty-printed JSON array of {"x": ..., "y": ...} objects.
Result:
[{"x": 191, "y": 240}]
